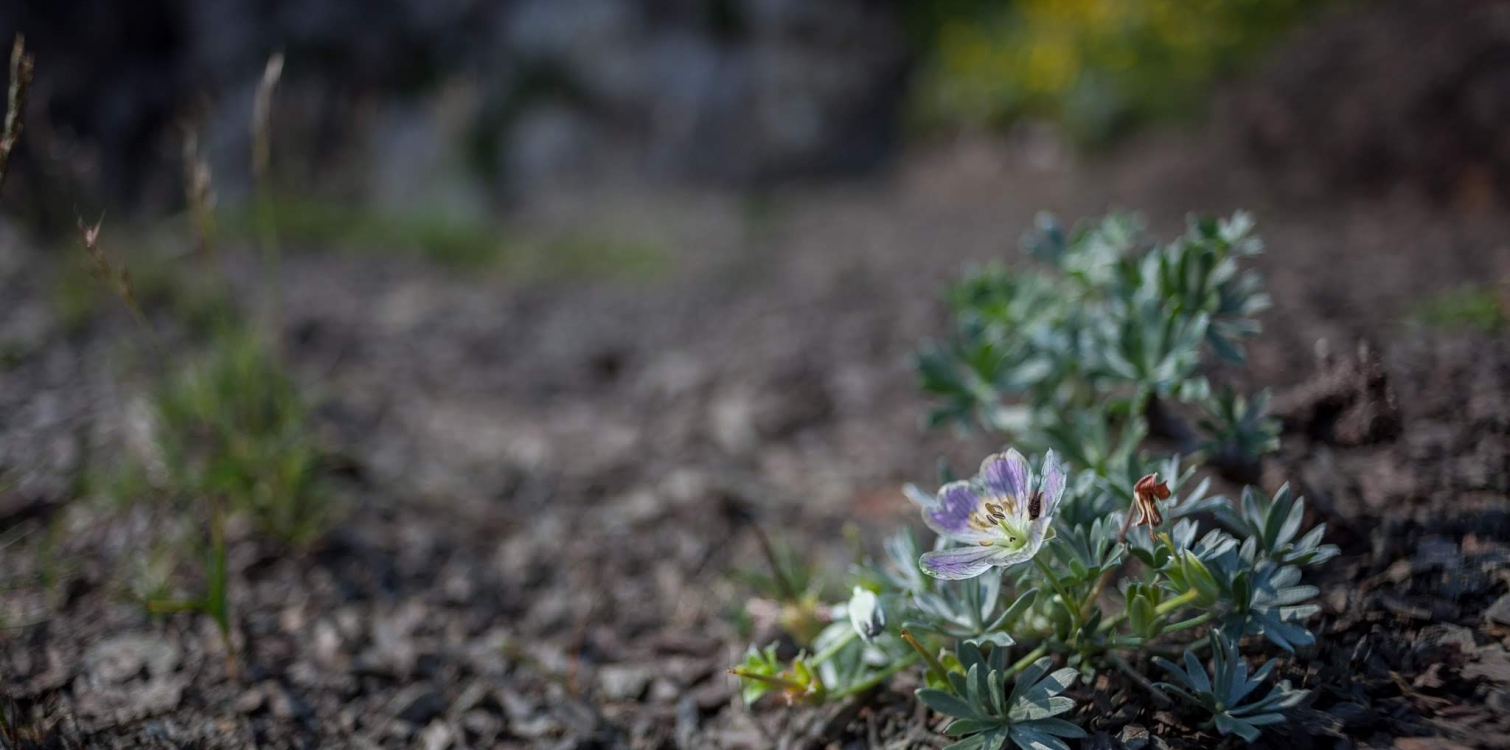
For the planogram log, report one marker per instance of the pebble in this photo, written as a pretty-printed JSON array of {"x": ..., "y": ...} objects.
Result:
[
  {"x": 1134, "y": 737},
  {"x": 1499, "y": 612},
  {"x": 623, "y": 682},
  {"x": 418, "y": 704},
  {"x": 437, "y": 736}
]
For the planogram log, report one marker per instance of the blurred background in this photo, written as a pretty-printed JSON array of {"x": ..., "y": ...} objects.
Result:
[
  {"x": 539, "y": 307},
  {"x": 459, "y": 110}
]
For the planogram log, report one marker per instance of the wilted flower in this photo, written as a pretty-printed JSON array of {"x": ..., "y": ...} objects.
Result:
[
  {"x": 865, "y": 613},
  {"x": 1001, "y": 517},
  {"x": 1146, "y": 494}
]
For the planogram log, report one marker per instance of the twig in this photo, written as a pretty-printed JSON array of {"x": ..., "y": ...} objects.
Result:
[
  {"x": 778, "y": 571},
  {"x": 15, "y": 104},
  {"x": 199, "y": 193},
  {"x": 267, "y": 226},
  {"x": 1138, "y": 677},
  {"x": 118, "y": 277}
]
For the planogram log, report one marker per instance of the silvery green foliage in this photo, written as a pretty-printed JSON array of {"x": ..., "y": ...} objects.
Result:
[
  {"x": 989, "y": 717},
  {"x": 1091, "y": 550},
  {"x": 1237, "y": 426},
  {"x": 1270, "y": 528},
  {"x": 971, "y": 611},
  {"x": 1229, "y": 693},
  {"x": 1120, "y": 320}
]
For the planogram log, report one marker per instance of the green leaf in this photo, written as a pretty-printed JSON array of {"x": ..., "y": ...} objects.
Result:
[{"x": 947, "y": 704}]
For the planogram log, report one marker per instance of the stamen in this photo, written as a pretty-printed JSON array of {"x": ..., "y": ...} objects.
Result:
[{"x": 987, "y": 543}]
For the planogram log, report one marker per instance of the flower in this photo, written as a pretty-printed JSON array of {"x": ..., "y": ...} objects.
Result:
[
  {"x": 1146, "y": 494},
  {"x": 1001, "y": 517},
  {"x": 865, "y": 613}
]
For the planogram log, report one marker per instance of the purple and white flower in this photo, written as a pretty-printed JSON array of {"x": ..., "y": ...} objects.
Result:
[{"x": 999, "y": 518}]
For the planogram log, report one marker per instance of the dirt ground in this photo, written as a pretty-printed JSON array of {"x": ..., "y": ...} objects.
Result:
[{"x": 550, "y": 483}]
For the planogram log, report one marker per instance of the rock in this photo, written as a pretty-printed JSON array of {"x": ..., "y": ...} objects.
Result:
[
  {"x": 118, "y": 660},
  {"x": 687, "y": 719},
  {"x": 534, "y": 727},
  {"x": 437, "y": 736},
  {"x": 1499, "y": 612},
  {"x": 418, "y": 704},
  {"x": 1134, "y": 737},
  {"x": 1098, "y": 741},
  {"x": 1445, "y": 634},
  {"x": 1427, "y": 743},
  {"x": 285, "y": 706},
  {"x": 1353, "y": 715},
  {"x": 623, "y": 682},
  {"x": 1493, "y": 664}
]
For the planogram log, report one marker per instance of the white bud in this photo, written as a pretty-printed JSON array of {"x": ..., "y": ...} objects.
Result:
[{"x": 865, "y": 613}]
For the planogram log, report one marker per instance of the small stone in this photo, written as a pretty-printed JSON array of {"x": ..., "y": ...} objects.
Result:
[
  {"x": 1499, "y": 612},
  {"x": 419, "y": 704},
  {"x": 118, "y": 660},
  {"x": 534, "y": 727},
  {"x": 1353, "y": 715},
  {"x": 1493, "y": 664},
  {"x": 687, "y": 719},
  {"x": 1134, "y": 737},
  {"x": 481, "y": 724},
  {"x": 1098, "y": 741},
  {"x": 437, "y": 736},
  {"x": 285, "y": 706},
  {"x": 251, "y": 701},
  {"x": 1431, "y": 679},
  {"x": 1427, "y": 743},
  {"x": 327, "y": 643},
  {"x": 1445, "y": 634},
  {"x": 623, "y": 683}
]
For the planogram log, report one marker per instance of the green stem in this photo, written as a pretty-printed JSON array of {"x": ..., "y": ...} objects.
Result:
[
  {"x": 1193, "y": 622},
  {"x": 875, "y": 679},
  {"x": 1177, "y": 602},
  {"x": 782, "y": 683},
  {"x": 833, "y": 649},
  {"x": 1090, "y": 599},
  {"x": 1054, "y": 584},
  {"x": 932, "y": 661},
  {"x": 1025, "y": 661}
]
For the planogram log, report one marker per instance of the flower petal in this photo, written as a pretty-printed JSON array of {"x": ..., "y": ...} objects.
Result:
[
  {"x": 958, "y": 563},
  {"x": 1007, "y": 474},
  {"x": 950, "y": 516},
  {"x": 1055, "y": 476}
]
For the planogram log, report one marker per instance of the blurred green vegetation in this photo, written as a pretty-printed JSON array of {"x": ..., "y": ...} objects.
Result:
[
  {"x": 1093, "y": 66},
  {"x": 304, "y": 220},
  {"x": 235, "y": 425},
  {"x": 1477, "y": 308}
]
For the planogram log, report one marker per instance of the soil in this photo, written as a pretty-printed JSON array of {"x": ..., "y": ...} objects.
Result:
[{"x": 552, "y": 483}]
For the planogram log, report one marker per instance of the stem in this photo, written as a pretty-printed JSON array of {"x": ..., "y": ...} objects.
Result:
[
  {"x": 778, "y": 573},
  {"x": 1138, "y": 677},
  {"x": 1177, "y": 602},
  {"x": 1025, "y": 661},
  {"x": 1090, "y": 601},
  {"x": 1054, "y": 584},
  {"x": 833, "y": 649},
  {"x": 1193, "y": 622},
  {"x": 784, "y": 684},
  {"x": 875, "y": 679},
  {"x": 932, "y": 661},
  {"x": 1111, "y": 622}
]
